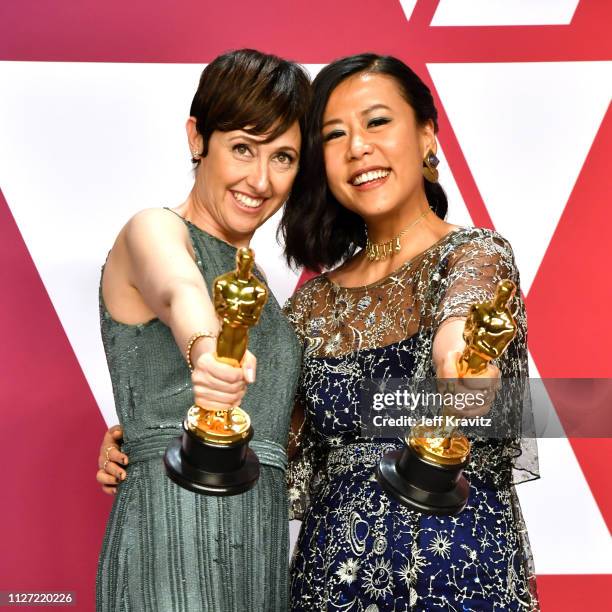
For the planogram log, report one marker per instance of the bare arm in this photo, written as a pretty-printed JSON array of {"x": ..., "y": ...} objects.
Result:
[
  {"x": 153, "y": 254},
  {"x": 158, "y": 261},
  {"x": 160, "y": 266}
]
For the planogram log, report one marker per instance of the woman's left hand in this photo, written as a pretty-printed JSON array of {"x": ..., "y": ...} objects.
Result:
[
  {"x": 481, "y": 387},
  {"x": 110, "y": 460}
]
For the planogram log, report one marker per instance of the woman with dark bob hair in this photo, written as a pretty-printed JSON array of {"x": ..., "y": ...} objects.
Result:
[
  {"x": 367, "y": 198},
  {"x": 168, "y": 549}
]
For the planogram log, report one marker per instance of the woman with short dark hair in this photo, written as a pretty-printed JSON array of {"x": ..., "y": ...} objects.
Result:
[
  {"x": 165, "y": 548},
  {"x": 367, "y": 198}
]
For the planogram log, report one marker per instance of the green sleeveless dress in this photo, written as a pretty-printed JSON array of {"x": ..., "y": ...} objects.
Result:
[{"x": 167, "y": 549}]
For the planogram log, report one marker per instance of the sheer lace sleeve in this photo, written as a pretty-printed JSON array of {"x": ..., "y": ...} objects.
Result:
[
  {"x": 474, "y": 269},
  {"x": 302, "y": 447},
  {"x": 300, "y": 472}
]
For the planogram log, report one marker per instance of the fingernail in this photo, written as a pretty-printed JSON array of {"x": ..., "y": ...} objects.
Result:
[
  {"x": 124, "y": 461},
  {"x": 250, "y": 375}
]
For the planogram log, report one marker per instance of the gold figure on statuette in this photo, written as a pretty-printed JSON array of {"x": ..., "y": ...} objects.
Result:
[
  {"x": 489, "y": 328},
  {"x": 239, "y": 298}
]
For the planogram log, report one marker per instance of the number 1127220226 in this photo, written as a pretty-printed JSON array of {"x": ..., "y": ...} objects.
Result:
[{"x": 18, "y": 598}]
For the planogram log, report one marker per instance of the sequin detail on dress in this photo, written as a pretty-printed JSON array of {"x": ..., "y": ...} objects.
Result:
[
  {"x": 168, "y": 549},
  {"x": 358, "y": 549}
]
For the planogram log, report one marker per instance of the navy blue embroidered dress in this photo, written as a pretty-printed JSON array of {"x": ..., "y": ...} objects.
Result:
[{"x": 359, "y": 550}]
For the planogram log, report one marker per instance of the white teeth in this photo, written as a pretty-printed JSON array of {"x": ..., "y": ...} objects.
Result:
[
  {"x": 247, "y": 201},
  {"x": 370, "y": 176}
]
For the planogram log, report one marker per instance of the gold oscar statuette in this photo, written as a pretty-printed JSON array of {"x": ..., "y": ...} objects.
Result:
[
  {"x": 426, "y": 474},
  {"x": 212, "y": 456},
  {"x": 489, "y": 328},
  {"x": 239, "y": 298}
]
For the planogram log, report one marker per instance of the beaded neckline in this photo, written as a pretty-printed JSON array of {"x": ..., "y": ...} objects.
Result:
[{"x": 399, "y": 270}]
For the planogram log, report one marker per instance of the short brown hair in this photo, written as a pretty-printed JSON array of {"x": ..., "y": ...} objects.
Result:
[{"x": 252, "y": 91}]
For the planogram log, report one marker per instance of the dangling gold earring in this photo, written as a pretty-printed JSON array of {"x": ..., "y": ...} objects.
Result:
[{"x": 429, "y": 167}]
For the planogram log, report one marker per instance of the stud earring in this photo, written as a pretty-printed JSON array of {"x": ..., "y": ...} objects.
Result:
[
  {"x": 429, "y": 167},
  {"x": 195, "y": 155}
]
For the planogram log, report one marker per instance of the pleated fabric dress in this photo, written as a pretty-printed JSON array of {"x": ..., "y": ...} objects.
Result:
[{"x": 170, "y": 550}]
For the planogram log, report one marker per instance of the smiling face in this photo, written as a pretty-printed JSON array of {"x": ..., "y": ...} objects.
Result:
[
  {"x": 374, "y": 148},
  {"x": 243, "y": 181}
]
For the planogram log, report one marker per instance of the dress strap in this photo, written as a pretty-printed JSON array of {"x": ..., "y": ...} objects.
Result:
[
  {"x": 175, "y": 213},
  {"x": 195, "y": 238}
]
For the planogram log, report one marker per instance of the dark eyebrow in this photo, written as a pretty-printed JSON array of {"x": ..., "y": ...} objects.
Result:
[
  {"x": 256, "y": 141},
  {"x": 330, "y": 121},
  {"x": 364, "y": 112},
  {"x": 375, "y": 107},
  {"x": 288, "y": 148},
  {"x": 247, "y": 138}
]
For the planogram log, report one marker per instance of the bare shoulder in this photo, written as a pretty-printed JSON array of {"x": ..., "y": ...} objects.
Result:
[
  {"x": 155, "y": 224},
  {"x": 149, "y": 242}
]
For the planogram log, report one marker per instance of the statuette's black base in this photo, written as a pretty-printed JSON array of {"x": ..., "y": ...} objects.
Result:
[
  {"x": 210, "y": 468},
  {"x": 421, "y": 485}
]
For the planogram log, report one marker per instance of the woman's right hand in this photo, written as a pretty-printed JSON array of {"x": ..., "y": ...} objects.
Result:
[
  {"x": 218, "y": 385},
  {"x": 110, "y": 460}
]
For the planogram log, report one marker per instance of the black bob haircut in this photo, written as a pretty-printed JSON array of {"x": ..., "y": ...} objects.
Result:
[
  {"x": 317, "y": 230},
  {"x": 251, "y": 91}
]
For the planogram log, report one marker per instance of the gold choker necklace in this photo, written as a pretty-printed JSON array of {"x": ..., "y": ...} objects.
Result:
[{"x": 381, "y": 250}]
